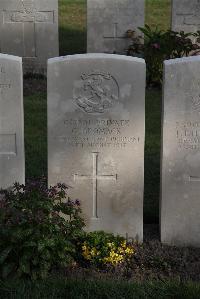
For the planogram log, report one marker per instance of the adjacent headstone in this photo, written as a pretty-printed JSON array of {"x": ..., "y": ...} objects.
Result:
[
  {"x": 180, "y": 196},
  {"x": 12, "y": 161},
  {"x": 186, "y": 15},
  {"x": 108, "y": 22},
  {"x": 96, "y": 137},
  {"x": 29, "y": 28}
]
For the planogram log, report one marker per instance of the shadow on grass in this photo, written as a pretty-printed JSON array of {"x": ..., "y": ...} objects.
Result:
[
  {"x": 72, "y": 41},
  {"x": 152, "y": 156}
]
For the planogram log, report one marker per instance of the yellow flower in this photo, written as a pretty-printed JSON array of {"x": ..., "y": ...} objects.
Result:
[
  {"x": 86, "y": 251},
  {"x": 87, "y": 256},
  {"x": 110, "y": 244},
  {"x": 123, "y": 244},
  {"x": 129, "y": 250},
  {"x": 84, "y": 247},
  {"x": 120, "y": 250},
  {"x": 114, "y": 258},
  {"x": 93, "y": 251}
]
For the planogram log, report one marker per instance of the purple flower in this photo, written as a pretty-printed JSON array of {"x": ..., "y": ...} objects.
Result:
[
  {"x": 155, "y": 46},
  {"x": 77, "y": 202},
  {"x": 62, "y": 186},
  {"x": 70, "y": 202}
]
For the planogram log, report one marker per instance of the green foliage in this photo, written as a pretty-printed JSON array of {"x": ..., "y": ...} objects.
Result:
[
  {"x": 161, "y": 45},
  {"x": 38, "y": 229},
  {"x": 101, "y": 249}
]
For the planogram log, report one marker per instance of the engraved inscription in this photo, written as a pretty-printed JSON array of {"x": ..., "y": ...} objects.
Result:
[
  {"x": 96, "y": 92},
  {"x": 4, "y": 84},
  {"x": 37, "y": 17},
  {"x": 98, "y": 133},
  {"x": 95, "y": 177},
  {"x": 8, "y": 145},
  {"x": 188, "y": 134}
]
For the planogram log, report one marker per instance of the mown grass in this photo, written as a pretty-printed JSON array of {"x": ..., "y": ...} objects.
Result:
[
  {"x": 72, "y": 26},
  {"x": 72, "y": 20},
  {"x": 79, "y": 289},
  {"x": 158, "y": 13}
]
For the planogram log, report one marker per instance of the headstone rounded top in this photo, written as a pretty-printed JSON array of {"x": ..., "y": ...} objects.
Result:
[
  {"x": 96, "y": 56},
  {"x": 10, "y": 57},
  {"x": 183, "y": 59}
]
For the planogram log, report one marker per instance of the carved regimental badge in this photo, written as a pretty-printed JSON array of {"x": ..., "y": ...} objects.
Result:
[
  {"x": 96, "y": 92},
  {"x": 195, "y": 100}
]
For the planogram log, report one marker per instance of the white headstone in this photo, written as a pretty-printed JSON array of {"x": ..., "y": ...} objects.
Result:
[
  {"x": 180, "y": 196},
  {"x": 96, "y": 137},
  {"x": 186, "y": 15},
  {"x": 29, "y": 28},
  {"x": 12, "y": 161},
  {"x": 108, "y": 21}
]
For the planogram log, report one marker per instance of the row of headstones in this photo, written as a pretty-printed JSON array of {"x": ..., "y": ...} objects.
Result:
[
  {"x": 29, "y": 28},
  {"x": 96, "y": 127}
]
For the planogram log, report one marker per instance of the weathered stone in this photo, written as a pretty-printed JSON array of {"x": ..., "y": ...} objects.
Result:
[
  {"x": 96, "y": 137},
  {"x": 186, "y": 15},
  {"x": 29, "y": 28},
  {"x": 180, "y": 196},
  {"x": 108, "y": 22},
  {"x": 12, "y": 162}
]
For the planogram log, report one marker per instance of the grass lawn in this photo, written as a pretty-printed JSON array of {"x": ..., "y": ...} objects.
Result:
[
  {"x": 158, "y": 13},
  {"x": 82, "y": 289}
]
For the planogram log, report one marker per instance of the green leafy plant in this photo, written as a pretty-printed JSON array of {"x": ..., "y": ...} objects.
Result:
[
  {"x": 102, "y": 249},
  {"x": 159, "y": 45},
  {"x": 39, "y": 228}
]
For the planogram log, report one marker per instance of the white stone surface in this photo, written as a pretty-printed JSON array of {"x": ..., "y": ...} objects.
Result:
[
  {"x": 96, "y": 137},
  {"x": 180, "y": 191},
  {"x": 186, "y": 15},
  {"x": 29, "y": 29},
  {"x": 12, "y": 161},
  {"x": 108, "y": 21}
]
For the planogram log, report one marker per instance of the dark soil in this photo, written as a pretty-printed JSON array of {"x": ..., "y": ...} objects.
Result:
[{"x": 152, "y": 261}]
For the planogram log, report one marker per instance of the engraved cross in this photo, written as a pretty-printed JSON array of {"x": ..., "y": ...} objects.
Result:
[
  {"x": 115, "y": 33},
  {"x": 194, "y": 179},
  {"x": 95, "y": 177},
  {"x": 28, "y": 17}
]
